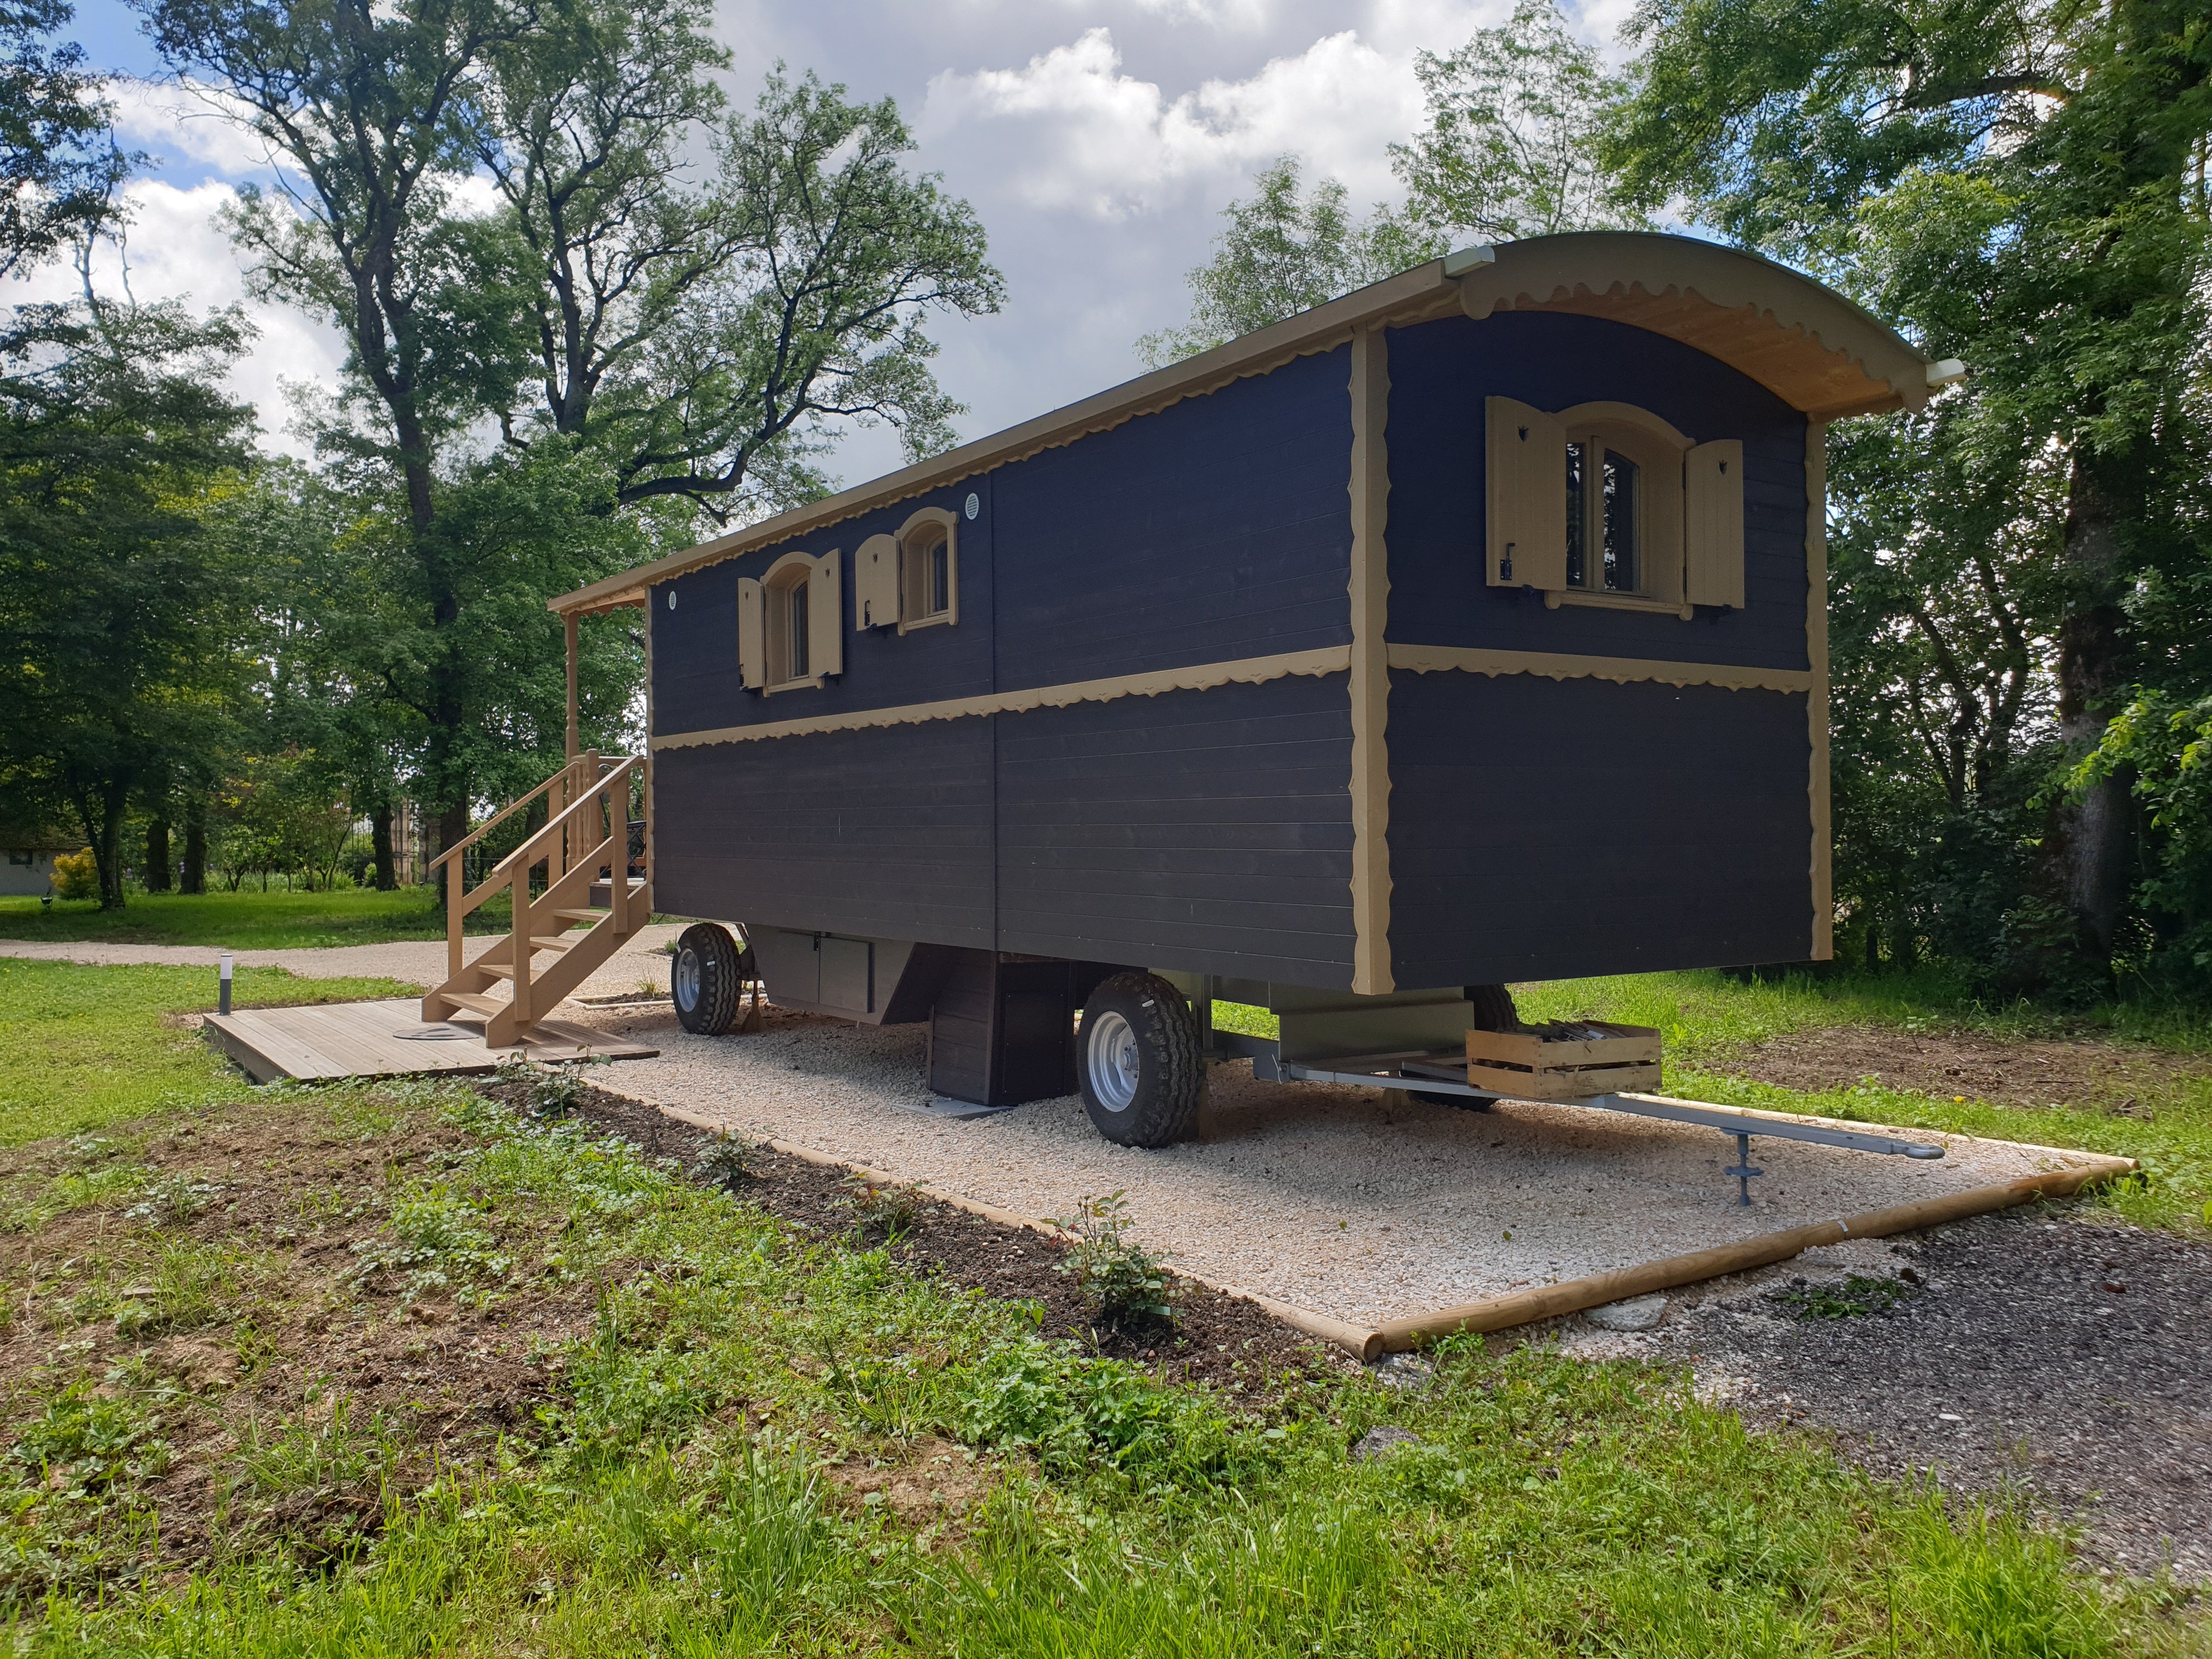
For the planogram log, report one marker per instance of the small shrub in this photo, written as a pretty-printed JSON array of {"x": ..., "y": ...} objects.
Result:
[
  {"x": 76, "y": 875},
  {"x": 888, "y": 1207},
  {"x": 1121, "y": 1279},
  {"x": 548, "y": 1092},
  {"x": 726, "y": 1160},
  {"x": 85, "y": 1441}
]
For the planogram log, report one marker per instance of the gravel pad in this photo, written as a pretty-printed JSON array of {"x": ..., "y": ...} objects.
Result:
[{"x": 1352, "y": 1202}]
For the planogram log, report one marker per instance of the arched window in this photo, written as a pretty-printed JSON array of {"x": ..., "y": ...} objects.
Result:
[
  {"x": 1606, "y": 503},
  {"x": 911, "y": 579},
  {"x": 788, "y": 630}
]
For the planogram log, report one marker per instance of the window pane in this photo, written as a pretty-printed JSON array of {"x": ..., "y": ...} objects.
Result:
[
  {"x": 798, "y": 613},
  {"x": 1619, "y": 523},
  {"x": 1577, "y": 514},
  {"x": 940, "y": 579}
]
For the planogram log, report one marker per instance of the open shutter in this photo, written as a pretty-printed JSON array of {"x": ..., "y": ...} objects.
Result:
[
  {"x": 1526, "y": 484},
  {"x": 752, "y": 638},
  {"x": 876, "y": 583},
  {"x": 825, "y": 617},
  {"x": 1712, "y": 519}
]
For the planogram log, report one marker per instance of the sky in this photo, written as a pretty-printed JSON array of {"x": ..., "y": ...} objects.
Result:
[{"x": 1096, "y": 139}]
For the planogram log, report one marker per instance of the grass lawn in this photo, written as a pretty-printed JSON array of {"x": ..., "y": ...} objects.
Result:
[
  {"x": 395, "y": 1371},
  {"x": 82, "y": 1047},
  {"x": 247, "y": 920}
]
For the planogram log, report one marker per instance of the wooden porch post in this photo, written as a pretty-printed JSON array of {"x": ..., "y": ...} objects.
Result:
[{"x": 568, "y": 628}]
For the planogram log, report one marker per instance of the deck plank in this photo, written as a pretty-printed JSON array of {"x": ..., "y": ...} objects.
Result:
[{"x": 327, "y": 1041}]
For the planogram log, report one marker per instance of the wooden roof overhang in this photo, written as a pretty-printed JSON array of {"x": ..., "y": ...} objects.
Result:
[{"x": 1805, "y": 343}]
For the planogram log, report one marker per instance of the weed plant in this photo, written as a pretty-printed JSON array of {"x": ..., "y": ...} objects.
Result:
[
  {"x": 1124, "y": 1282},
  {"x": 726, "y": 1160},
  {"x": 884, "y": 1209}
]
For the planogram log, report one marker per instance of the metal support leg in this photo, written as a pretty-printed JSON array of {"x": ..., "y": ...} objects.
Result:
[{"x": 1742, "y": 1170}]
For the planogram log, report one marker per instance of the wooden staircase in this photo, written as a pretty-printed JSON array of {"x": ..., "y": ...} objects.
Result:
[{"x": 585, "y": 842}]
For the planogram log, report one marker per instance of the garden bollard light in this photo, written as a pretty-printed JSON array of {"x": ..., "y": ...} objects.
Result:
[{"x": 223, "y": 986}]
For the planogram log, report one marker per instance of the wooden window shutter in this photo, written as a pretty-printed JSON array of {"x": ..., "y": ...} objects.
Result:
[
  {"x": 825, "y": 618},
  {"x": 876, "y": 583},
  {"x": 752, "y": 638},
  {"x": 1526, "y": 484},
  {"x": 1713, "y": 518}
]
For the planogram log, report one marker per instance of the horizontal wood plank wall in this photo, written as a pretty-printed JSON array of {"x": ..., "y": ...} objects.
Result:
[
  {"x": 1213, "y": 530},
  {"x": 1441, "y": 371},
  {"x": 1205, "y": 831},
  {"x": 885, "y": 832},
  {"x": 695, "y": 644},
  {"x": 1544, "y": 829}
]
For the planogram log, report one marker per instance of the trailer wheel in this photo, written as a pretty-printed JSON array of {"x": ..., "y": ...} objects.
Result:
[
  {"x": 1490, "y": 1008},
  {"x": 703, "y": 983},
  {"x": 1140, "y": 1062}
]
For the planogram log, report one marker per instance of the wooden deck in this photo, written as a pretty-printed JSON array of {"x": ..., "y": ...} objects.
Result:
[{"x": 386, "y": 1039}]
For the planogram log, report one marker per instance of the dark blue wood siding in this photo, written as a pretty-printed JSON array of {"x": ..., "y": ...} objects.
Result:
[
  {"x": 1546, "y": 829},
  {"x": 1441, "y": 373},
  {"x": 1207, "y": 831},
  {"x": 1217, "y": 529},
  {"x": 884, "y": 833}
]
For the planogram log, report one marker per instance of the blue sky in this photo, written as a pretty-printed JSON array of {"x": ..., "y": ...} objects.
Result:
[{"x": 1097, "y": 139}]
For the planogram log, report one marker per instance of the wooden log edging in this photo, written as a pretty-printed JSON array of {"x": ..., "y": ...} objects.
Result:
[
  {"x": 1355, "y": 1339},
  {"x": 1500, "y": 1313}
]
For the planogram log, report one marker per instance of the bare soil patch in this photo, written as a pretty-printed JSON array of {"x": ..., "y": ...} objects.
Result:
[
  {"x": 2110, "y": 1077},
  {"x": 1216, "y": 1339},
  {"x": 281, "y": 1389}
]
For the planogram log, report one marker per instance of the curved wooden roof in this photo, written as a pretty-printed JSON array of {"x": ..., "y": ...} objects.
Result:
[{"x": 1802, "y": 341}]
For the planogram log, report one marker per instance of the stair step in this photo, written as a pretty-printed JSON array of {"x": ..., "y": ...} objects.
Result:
[
  {"x": 583, "y": 915},
  {"x": 474, "y": 1004},
  {"x": 554, "y": 942}
]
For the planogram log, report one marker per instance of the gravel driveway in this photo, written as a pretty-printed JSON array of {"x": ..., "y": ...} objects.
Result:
[{"x": 1354, "y": 1203}]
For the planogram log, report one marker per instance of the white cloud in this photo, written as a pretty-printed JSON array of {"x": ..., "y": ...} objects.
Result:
[
  {"x": 1072, "y": 131},
  {"x": 176, "y": 250},
  {"x": 194, "y": 124}
]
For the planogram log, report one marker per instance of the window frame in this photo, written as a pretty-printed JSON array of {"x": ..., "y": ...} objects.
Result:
[
  {"x": 911, "y": 571},
  {"x": 1658, "y": 448},
  {"x": 793, "y": 573}
]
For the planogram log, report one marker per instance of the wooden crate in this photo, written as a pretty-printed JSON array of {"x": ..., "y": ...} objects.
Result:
[{"x": 1565, "y": 1060}]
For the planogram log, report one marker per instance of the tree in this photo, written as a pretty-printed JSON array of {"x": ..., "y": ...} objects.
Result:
[
  {"x": 59, "y": 164},
  {"x": 2023, "y": 185},
  {"x": 116, "y": 643},
  {"x": 1513, "y": 147},
  {"x": 618, "y": 325},
  {"x": 1286, "y": 251}
]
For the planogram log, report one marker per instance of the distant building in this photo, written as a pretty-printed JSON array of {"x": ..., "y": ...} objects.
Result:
[{"x": 26, "y": 861}]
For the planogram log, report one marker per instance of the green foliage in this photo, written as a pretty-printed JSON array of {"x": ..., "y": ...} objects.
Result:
[
  {"x": 248, "y": 919},
  {"x": 884, "y": 1209},
  {"x": 1119, "y": 1278},
  {"x": 1286, "y": 251},
  {"x": 58, "y": 167},
  {"x": 1513, "y": 147},
  {"x": 76, "y": 875},
  {"x": 1857, "y": 1296},
  {"x": 726, "y": 1160}
]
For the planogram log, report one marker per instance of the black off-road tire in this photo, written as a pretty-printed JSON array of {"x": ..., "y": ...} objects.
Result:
[
  {"x": 703, "y": 979},
  {"x": 1140, "y": 1061},
  {"x": 1490, "y": 1008}
]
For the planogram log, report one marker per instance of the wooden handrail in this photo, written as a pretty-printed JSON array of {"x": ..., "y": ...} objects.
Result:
[
  {"x": 500, "y": 817},
  {"x": 530, "y": 852}
]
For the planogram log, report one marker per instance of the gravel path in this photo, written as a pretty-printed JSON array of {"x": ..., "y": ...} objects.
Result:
[
  {"x": 1348, "y": 1201},
  {"x": 413, "y": 960},
  {"x": 2054, "y": 1352}
]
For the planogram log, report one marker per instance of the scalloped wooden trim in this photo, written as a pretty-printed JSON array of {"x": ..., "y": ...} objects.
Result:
[
  {"x": 1558, "y": 666},
  {"x": 1248, "y": 671}
]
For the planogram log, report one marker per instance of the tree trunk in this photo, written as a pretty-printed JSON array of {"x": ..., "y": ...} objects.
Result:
[
  {"x": 195, "y": 871},
  {"x": 157, "y": 856},
  {"x": 2087, "y": 846},
  {"x": 379, "y": 841},
  {"x": 103, "y": 830}
]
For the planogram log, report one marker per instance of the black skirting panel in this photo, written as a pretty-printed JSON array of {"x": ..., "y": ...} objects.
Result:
[
  {"x": 1547, "y": 829},
  {"x": 1205, "y": 831},
  {"x": 883, "y": 833}
]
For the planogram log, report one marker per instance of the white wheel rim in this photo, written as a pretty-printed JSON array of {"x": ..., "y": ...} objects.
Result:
[
  {"x": 687, "y": 980},
  {"x": 1110, "y": 1054}
]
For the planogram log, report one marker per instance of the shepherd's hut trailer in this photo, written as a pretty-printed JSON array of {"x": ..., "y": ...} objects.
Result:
[{"x": 1466, "y": 629}]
